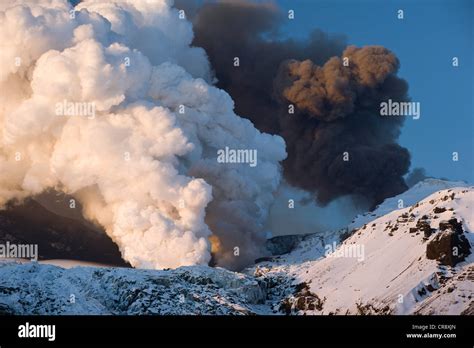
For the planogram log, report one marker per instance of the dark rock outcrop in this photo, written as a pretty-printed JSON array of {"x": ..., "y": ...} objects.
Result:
[
  {"x": 280, "y": 245},
  {"x": 449, "y": 246},
  {"x": 302, "y": 300},
  {"x": 57, "y": 237}
]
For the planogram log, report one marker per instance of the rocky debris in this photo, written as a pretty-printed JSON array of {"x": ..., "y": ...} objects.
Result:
[
  {"x": 434, "y": 283},
  {"x": 469, "y": 310},
  {"x": 302, "y": 300},
  {"x": 370, "y": 309},
  {"x": 454, "y": 289},
  {"x": 422, "y": 225},
  {"x": 277, "y": 286},
  {"x": 449, "y": 246},
  {"x": 439, "y": 210},
  {"x": 403, "y": 218}
]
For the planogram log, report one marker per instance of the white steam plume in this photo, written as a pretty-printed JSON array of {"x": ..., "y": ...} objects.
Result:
[{"x": 142, "y": 169}]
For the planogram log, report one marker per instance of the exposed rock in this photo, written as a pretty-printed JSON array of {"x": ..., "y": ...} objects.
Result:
[
  {"x": 264, "y": 259},
  {"x": 269, "y": 287},
  {"x": 424, "y": 226},
  {"x": 452, "y": 224},
  {"x": 449, "y": 246},
  {"x": 283, "y": 244},
  {"x": 346, "y": 234},
  {"x": 57, "y": 237},
  {"x": 469, "y": 310},
  {"x": 302, "y": 300},
  {"x": 370, "y": 309}
]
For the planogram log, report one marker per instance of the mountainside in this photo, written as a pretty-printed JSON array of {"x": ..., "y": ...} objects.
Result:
[
  {"x": 57, "y": 235},
  {"x": 417, "y": 259},
  {"x": 45, "y": 289},
  {"x": 412, "y": 260}
]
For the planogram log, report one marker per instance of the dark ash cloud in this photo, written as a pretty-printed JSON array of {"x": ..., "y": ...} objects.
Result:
[{"x": 336, "y": 106}]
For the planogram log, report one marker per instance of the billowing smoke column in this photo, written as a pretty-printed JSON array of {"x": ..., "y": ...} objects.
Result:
[
  {"x": 336, "y": 105},
  {"x": 109, "y": 103},
  {"x": 338, "y": 138}
]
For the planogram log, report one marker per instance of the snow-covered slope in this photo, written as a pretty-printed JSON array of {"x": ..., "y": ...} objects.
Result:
[
  {"x": 411, "y": 260},
  {"x": 406, "y": 199},
  {"x": 417, "y": 259},
  {"x": 33, "y": 288}
]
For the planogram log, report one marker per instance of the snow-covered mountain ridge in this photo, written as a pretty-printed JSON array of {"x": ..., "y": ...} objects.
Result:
[
  {"x": 412, "y": 260},
  {"x": 416, "y": 259},
  {"x": 33, "y": 288}
]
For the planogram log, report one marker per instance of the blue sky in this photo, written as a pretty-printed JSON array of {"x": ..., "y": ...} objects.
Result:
[{"x": 430, "y": 35}]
